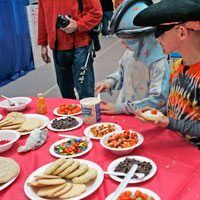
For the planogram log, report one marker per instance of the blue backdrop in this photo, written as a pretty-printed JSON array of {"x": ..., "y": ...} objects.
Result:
[{"x": 16, "y": 57}]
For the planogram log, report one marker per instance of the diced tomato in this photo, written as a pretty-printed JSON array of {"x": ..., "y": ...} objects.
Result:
[
  {"x": 126, "y": 134},
  {"x": 127, "y": 193},
  {"x": 125, "y": 198},
  {"x": 116, "y": 136},
  {"x": 154, "y": 112}
]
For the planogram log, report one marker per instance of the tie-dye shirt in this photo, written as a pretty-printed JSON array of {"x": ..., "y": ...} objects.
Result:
[
  {"x": 184, "y": 97},
  {"x": 183, "y": 106}
]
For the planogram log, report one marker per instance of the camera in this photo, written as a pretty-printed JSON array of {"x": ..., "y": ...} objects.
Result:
[
  {"x": 94, "y": 34},
  {"x": 62, "y": 22}
]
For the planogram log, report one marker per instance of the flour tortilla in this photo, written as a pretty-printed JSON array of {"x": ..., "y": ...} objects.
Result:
[
  {"x": 8, "y": 169},
  {"x": 16, "y": 117},
  {"x": 151, "y": 117},
  {"x": 49, "y": 170},
  {"x": 50, "y": 190},
  {"x": 86, "y": 177},
  {"x": 76, "y": 190},
  {"x": 65, "y": 165},
  {"x": 31, "y": 124}
]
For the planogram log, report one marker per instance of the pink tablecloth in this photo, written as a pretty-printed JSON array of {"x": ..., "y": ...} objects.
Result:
[{"x": 178, "y": 162}]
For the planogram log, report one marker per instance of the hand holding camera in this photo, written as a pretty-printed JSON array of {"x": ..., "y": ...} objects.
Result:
[{"x": 66, "y": 24}]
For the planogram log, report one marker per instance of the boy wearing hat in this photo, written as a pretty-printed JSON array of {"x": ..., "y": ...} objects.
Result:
[
  {"x": 143, "y": 75},
  {"x": 178, "y": 29}
]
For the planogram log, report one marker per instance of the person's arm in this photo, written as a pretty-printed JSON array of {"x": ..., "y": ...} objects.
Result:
[
  {"x": 158, "y": 90},
  {"x": 92, "y": 17},
  {"x": 190, "y": 127},
  {"x": 115, "y": 79},
  {"x": 42, "y": 32}
]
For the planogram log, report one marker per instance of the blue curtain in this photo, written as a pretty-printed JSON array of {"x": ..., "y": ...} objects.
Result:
[{"x": 16, "y": 57}]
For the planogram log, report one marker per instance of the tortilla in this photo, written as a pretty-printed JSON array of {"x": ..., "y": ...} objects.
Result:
[{"x": 8, "y": 169}]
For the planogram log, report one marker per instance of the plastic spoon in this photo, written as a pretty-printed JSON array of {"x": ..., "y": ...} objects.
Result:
[
  {"x": 11, "y": 101},
  {"x": 138, "y": 175}
]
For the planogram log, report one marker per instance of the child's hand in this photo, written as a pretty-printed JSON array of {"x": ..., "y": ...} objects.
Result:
[
  {"x": 101, "y": 87},
  {"x": 107, "y": 108},
  {"x": 162, "y": 121}
]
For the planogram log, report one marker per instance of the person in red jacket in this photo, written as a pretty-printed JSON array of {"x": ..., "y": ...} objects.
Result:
[{"x": 70, "y": 44}]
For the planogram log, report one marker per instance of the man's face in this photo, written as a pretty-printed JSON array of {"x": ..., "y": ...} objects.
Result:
[{"x": 170, "y": 41}]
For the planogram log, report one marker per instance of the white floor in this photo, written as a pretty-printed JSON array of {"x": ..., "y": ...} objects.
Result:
[{"x": 43, "y": 79}]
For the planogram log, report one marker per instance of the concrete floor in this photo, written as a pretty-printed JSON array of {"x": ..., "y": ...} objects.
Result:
[{"x": 43, "y": 78}]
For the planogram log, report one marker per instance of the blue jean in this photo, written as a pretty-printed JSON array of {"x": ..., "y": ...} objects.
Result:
[
  {"x": 68, "y": 65},
  {"x": 107, "y": 15}
]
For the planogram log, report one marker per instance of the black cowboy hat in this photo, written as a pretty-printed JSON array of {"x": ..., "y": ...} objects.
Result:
[{"x": 167, "y": 11}]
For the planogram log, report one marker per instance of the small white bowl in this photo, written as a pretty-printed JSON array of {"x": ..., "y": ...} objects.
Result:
[
  {"x": 13, "y": 136},
  {"x": 24, "y": 101},
  {"x": 122, "y": 151}
]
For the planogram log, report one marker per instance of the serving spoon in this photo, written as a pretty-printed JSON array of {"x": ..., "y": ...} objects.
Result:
[
  {"x": 138, "y": 175},
  {"x": 11, "y": 101}
]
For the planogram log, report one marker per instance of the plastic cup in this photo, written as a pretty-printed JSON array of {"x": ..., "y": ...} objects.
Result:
[{"x": 91, "y": 110}]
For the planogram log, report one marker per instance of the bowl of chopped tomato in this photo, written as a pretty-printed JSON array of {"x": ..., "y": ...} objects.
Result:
[
  {"x": 136, "y": 193},
  {"x": 122, "y": 142},
  {"x": 7, "y": 139},
  {"x": 67, "y": 109}
]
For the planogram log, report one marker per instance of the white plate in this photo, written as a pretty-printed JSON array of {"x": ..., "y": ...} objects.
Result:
[
  {"x": 55, "y": 112},
  {"x": 90, "y": 135},
  {"x": 91, "y": 187},
  {"x": 42, "y": 118},
  {"x": 80, "y": 122},
  {"x": 1, "y": 116},
  {"x": 5, "y": 185},
  {"x": 116, "y": 162},
  {"x": 53, "y": 153},
  {"x": 143, "y": 190}
]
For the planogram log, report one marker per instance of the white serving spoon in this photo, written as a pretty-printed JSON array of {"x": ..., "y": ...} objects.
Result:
[
  {"x": 138, "y": 175},
  {"x": 11, "y": 101},
  {"x": 125, "y": 182},
  {"x": 99, "y": 96},
  {"x": 74, "y": 137}
]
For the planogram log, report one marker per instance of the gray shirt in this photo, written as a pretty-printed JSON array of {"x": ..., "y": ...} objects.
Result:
[{"x": 189, "y": 129}]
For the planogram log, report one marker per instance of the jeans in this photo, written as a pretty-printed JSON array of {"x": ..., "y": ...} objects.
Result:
[
  {"x": 68, "y": 64},
  {"x": 107, "y": 15}
]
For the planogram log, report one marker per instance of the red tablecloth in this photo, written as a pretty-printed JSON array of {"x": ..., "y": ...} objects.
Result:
[{"x": 178, "y": 162}]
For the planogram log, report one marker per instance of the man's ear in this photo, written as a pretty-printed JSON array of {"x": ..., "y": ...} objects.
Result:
[{"x": 182, "y": 32}]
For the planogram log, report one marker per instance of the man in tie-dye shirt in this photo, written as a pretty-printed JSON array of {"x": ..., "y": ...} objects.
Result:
[{"x": 179, "y": 30}]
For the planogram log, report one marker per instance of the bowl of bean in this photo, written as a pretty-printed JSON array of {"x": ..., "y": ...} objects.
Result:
[
  {"x": 122, "y": 142},
  {"x": 7, "y": 139}
]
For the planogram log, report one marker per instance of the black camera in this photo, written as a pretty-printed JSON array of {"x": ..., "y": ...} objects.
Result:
[
  {"x": 62, "y": 22},
  {"x": 94, "y": 34}
]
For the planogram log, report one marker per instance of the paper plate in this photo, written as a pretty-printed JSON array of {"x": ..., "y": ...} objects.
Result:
[
  {"x": 42, "y": 118},
  {"x": 133, "y": 190},
  {"x": 53, "y": 153},
  {"x": 116, "y": 162},
  {"x": 5, "y": 185},
  {"x": 91, "y": 187},
  {"x": 89, "y": 134},
  {"x": 80, "y": 122},
  {"x": 55, "y": 112}
]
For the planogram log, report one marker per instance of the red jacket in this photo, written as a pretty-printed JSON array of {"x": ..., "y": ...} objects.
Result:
[{"x": 50, "y": 9}]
